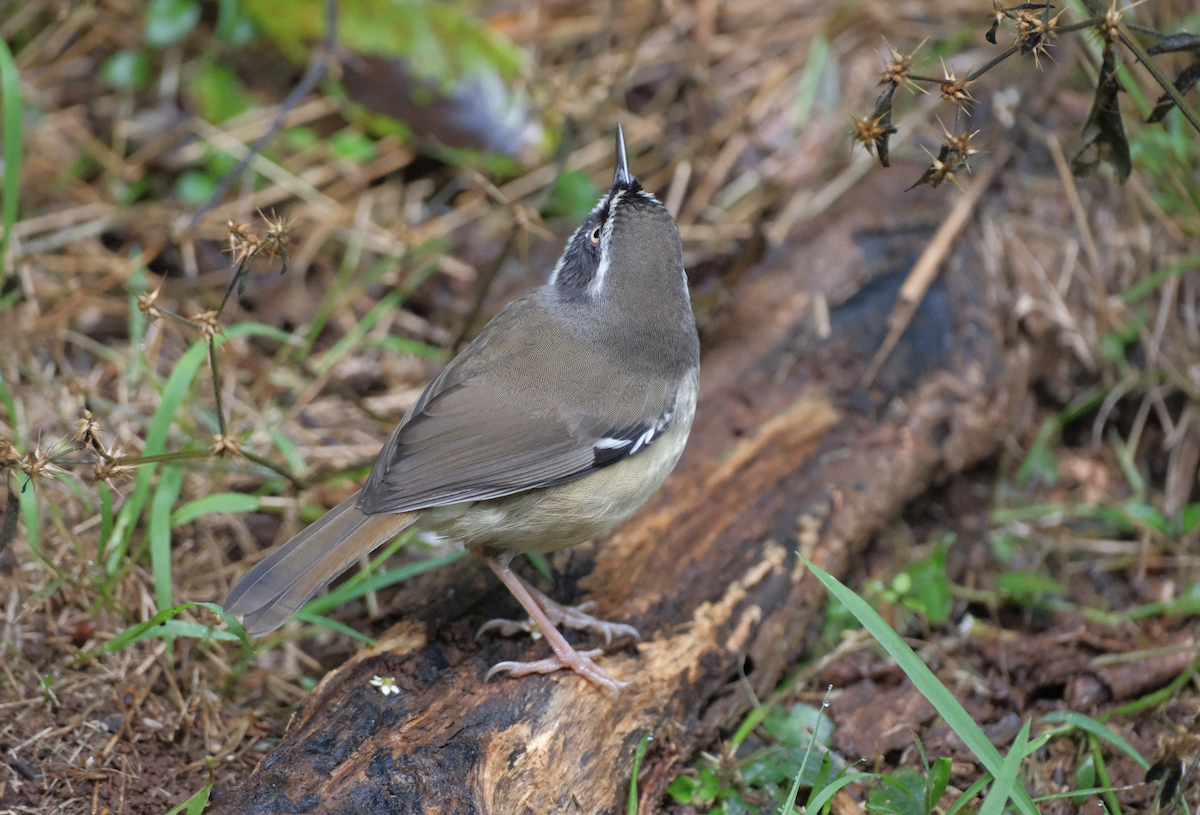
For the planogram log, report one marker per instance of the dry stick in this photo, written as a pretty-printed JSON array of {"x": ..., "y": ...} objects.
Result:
[
  {"x": 1085, "y": 230},
  {"x": 316, "y": 70},
  {"x": 925, "y": 270}
]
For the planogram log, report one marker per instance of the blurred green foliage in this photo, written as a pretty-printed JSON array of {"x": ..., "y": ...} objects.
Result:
[{"x": 441, "y": 41}]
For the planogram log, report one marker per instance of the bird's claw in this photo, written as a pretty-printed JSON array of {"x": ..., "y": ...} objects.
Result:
[{"x": 578, "y": 661}]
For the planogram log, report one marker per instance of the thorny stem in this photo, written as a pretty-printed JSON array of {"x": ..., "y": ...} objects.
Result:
[
  {"x": 216, "y": 380},
  {"x": 1134, "y": 46}
]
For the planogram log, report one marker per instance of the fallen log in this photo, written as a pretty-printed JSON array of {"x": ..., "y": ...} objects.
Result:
[{"x": 787, "y": 455}]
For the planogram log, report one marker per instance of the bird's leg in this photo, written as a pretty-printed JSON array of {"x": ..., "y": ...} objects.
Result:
[
  {"x": 570, "y": 616},
  {"x": 564, "y": 655}
]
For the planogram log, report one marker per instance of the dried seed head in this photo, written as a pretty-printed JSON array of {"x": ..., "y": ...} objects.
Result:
[
  {"x": 146, "y": 304},
  {"x": 898, "y": 70},
  {"x": 8, "y": 455},
  {"x": 223, "y": 445},
  {"x": 106, "y": 470},
  {"x": 1110, "y": 26},
  {"x": 959, "y": 147},
  {"x": 39, "y": 463},
  {"x": 243, "y": 243},
  {"x": 89, "y": 432},
  {"x": 954, "y": 89},
  {"x": 869, "y": 130},
  {"x": 1036, "y": 32},
  {"x": 208, "y": 323}
]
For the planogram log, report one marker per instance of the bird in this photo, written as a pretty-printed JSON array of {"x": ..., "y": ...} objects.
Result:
[{"x": 564, "y": 415}]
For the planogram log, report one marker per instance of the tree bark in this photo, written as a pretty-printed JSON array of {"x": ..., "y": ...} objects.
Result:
[{"x": 787, "y": 455}]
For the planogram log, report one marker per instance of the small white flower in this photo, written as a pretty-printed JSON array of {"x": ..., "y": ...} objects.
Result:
[{"x": 386, "y": 685}]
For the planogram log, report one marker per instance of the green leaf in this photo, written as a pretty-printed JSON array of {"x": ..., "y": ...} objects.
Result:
[
  {"x": 194, "y": 187},
  {"x": 682, "y": 789},
  {"x": 195, "y": 803},
  {"x": 440, "y": 41},
  {"x": 1027, "y": 588},
  {"x": 301, "y": 137},
  {"x": 218, "y": 92},
  {"x": 1085, "y": 776},
  {"x": 573, "y": 196},
  {"x": 229, "y": 502},
  {"x": 233, "y": 26},
  {"x": 794, "y": 727},
  {"x": 126, "y": 70},
  {"x": 1191, "y": 517},
  {"x": 169, "y": 21},
  {"x": 901, "y": 793},
  {"x": 542, "y": 566},
  {"x": 353, "y": 146},
  {"x": 1041, "y": 462},
  {"x": 939, "y": 779},
  {"x": 709, "y": 786}
]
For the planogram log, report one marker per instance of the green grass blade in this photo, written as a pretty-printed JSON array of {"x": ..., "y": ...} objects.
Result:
[
  {"x": 938, "y": 695},
  {"x": 227, "y": 502},
  {"x": 356, "y": 334},
  {"x": 174, "y": 392},
  {"x": 1114, "y": 806},
  {"x": 1100, "y": 730},
  {"x": 169, "y": 486},
  {"x": 295, "y": 462},
  {"x": 332, "y": 625},
  {"x": 148, "y": 628},
  {"x": 9, "y": 405},
  {"x": 817, "y": 801},
  {"x": 29, "y": 513},
  {"x": 347, "y": 592},
  {"x": 969, "y": 794},
  {"x": 195, "y": 803},
  {"x": 639, "y": 756},
  {"x": 1007, "y": 778},
  {"x": 10, "y": 131}
]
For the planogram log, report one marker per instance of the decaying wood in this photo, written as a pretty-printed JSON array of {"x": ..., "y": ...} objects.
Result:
[{"x": 785, "y": 455}]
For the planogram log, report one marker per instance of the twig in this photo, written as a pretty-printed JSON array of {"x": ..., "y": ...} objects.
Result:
[
  {"x": 1084, "y": 227},
  {"x": 317, "y": 65},
  {"x": 925, "y": 270}
]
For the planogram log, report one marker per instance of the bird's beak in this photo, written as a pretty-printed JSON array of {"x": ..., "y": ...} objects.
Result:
[{"x": 622, "y": 177}]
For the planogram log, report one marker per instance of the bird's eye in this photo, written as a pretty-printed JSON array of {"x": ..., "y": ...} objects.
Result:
[{"x": 595, "y": 236}]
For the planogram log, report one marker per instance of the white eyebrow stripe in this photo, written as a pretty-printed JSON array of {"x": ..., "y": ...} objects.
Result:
[{"x": 597, "y": 283}]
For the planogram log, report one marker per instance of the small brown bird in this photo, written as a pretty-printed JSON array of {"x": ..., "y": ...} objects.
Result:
[{"x": 564, "y": 416}]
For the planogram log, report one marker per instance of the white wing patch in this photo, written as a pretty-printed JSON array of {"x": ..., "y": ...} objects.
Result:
[{"x": 630, "y": 440}]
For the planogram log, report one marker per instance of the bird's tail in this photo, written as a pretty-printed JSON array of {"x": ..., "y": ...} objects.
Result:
[{"x": 279, "y": 584}]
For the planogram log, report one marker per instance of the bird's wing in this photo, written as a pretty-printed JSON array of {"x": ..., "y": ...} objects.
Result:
[{"x": 553, "y": 415}]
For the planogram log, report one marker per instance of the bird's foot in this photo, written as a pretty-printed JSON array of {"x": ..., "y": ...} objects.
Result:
[
  {"x": 575, "y": 617},
  {"x": 578, "y": 661},
  {"x": 545, "y": 615}
]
